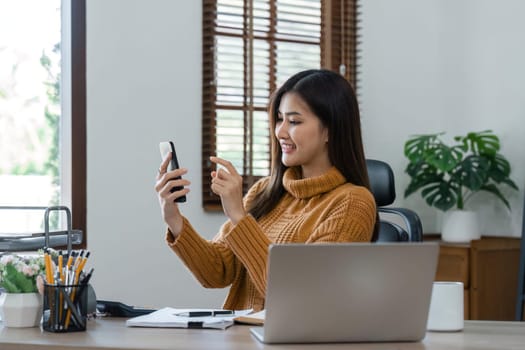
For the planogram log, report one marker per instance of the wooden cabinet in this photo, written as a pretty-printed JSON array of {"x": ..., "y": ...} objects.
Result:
[{"x": 488, "y": 268}]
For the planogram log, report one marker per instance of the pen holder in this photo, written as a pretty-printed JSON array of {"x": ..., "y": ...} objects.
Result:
[{"x": 65, "y": 308}]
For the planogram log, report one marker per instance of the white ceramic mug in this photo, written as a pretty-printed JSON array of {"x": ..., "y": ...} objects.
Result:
[{"x": 446, "y": 307}]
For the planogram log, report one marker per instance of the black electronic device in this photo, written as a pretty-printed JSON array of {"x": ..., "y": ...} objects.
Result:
[
  {"x": 165, "y": 148},
  {"x": 118, "y": 309}
]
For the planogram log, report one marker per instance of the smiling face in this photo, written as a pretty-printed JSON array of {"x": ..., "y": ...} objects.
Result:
[{"x": 303, "y": 138}]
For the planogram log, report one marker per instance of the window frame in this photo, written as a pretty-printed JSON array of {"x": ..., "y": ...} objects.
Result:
[
  {"x": 339, "y": 45},
  {"x": 78, "y": 118}
]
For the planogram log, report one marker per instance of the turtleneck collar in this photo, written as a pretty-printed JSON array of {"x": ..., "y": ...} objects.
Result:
[{"x": 312, "y": 186}]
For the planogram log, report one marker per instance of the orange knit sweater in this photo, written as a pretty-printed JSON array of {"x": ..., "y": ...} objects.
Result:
[{"x": 312, "y": 210}]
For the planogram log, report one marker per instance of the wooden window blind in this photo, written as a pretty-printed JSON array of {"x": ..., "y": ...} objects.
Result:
[{"x": 250, "y": 47}]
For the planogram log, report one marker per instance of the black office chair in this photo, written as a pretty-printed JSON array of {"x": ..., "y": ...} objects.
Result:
[{"x": 382, "y": 185}]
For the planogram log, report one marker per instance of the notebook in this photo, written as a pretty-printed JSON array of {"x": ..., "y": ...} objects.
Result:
[
  {"x": 352, "y": 292},
  {"x": 169, "y": 317}
]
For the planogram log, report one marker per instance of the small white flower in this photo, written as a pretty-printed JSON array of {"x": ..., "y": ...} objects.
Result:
[
  {"x": 6, "y": 259},
  {"x": 19, "y": 266},
  {"x": 36, "y": 268},
  {"x": 27, "y": 270}
]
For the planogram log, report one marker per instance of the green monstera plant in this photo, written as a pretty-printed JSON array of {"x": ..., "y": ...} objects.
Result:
[{"x": 448, "y": 175}]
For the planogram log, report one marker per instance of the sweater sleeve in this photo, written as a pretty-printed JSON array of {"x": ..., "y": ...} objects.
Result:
[
  {"x": 211, "y": 262},
  {"x": 215, "y": 263},
  {"x": 351, "y": 219},
  {"x": 251, "y": 245}
]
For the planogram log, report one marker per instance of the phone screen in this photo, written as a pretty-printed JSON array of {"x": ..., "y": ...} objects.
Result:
[{"x": 165, "y": 148}]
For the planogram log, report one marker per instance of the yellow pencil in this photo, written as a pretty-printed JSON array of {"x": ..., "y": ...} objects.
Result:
[
  {"x": 68, "y": 266},
  {"x": 81, "y": 266},
  {"x": 49, "y": 268},
  {"x": 60, "y": 266},
  {"x": 70, "y": 260}
]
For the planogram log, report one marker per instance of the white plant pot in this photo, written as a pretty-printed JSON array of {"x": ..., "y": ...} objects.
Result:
[
  {"x": 21, "y": 309},
  {"x": 460, "y": 226}
]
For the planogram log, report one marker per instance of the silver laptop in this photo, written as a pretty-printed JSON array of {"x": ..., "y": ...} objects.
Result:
[{"x": 351, "y": 292}]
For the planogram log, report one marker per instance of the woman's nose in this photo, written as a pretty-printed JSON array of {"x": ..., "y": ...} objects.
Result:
[{"x": 281, "y": 130}]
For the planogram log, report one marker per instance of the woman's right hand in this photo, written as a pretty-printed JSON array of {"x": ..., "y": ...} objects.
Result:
[{"x": 169, "y": 208}]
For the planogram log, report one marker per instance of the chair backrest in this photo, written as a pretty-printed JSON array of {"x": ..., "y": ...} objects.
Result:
[{"x": 382, "y": 185}]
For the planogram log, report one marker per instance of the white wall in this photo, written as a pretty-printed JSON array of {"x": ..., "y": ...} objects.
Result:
[
  {"x": 443, "y": 65},
  {"x": 428, "y": 66},
  {"x": 143, "y": 86}
]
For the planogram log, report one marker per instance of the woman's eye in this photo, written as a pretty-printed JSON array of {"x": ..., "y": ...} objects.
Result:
[{"x": 294, "y": 122}]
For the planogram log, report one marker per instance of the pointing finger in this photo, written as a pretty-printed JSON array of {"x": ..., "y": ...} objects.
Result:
[{"x": 226, "y": 164}]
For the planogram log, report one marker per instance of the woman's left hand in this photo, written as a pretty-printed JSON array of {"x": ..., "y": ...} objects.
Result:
[{"x": 227, "y": 183}]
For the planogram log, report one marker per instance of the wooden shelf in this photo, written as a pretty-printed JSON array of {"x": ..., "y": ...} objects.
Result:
[{"x": 488, "y": 268}]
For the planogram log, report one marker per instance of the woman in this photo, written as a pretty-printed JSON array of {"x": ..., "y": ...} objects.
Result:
[{"x": 317, "y": 191}]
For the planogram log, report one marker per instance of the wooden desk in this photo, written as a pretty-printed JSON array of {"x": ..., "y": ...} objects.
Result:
[{"x": 113, "y": 334}]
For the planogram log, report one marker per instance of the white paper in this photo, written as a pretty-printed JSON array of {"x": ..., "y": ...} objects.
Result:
[{"x": 168, "y": 318}]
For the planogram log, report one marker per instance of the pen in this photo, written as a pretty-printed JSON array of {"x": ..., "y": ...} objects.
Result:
[
  {"x": 78, "y": 267},
  {"x": 58, "y": 304},
  {"x": 61, "y": 278},
  {"x": 206, "y": 313},
  {"x": 86, "y": 278},
  {"x": 85, "y": 281},
  {"x": 68, "y": 267}
]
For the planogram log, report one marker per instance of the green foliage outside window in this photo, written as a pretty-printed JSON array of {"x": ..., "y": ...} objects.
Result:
[{"x": 52, "y": 114}]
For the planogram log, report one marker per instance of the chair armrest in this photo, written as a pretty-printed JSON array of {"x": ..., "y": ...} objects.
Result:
[{"x": 411, "y": 219}]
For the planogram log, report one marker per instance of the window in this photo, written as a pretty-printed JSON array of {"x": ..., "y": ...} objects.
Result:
[
  {"x": 250, "y": 47},
  {"x": 42, "y": 113}
]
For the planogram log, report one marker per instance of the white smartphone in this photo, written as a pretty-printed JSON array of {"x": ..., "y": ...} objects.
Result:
[{"x": 165, "y": 148}]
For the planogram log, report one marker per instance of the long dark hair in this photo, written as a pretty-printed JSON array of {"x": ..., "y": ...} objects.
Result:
[{"x": 332, "y": 99}]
